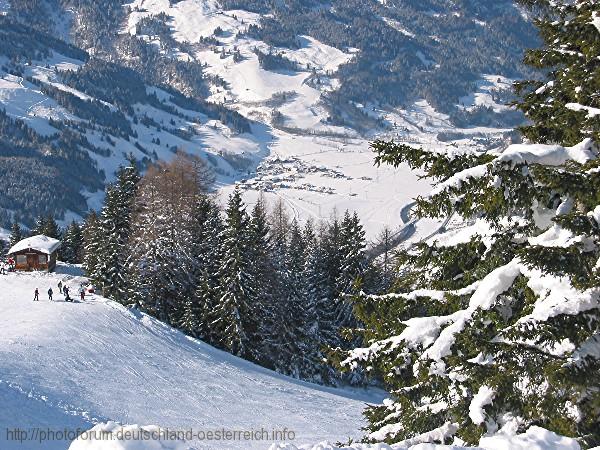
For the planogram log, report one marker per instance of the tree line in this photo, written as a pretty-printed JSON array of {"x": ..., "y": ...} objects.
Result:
[{"x": 249, "y": 280}]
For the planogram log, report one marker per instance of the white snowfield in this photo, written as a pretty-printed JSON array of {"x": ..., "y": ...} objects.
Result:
[{"x": 72, "y": 366}]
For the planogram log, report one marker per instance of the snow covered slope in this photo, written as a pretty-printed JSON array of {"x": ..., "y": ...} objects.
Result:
[{"x": 72, "y": 365}]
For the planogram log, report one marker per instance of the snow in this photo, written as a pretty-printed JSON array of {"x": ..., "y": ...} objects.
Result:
[
  {"x": 41, "y": 243},
  {"x": 76, "y": 365},
  {"x": 591, "y": 112},
  {"x": 483, "y": 96},
  {"x": 490, "y": 287},
  {"x": 398, "y": 27},
  {"x": 485, "y": 396},
  {"x": 112, "y": 436},
  {"x": 557, "y": 296},
  {"x": 552, "y": 155},
  {"x": 596, "y": 20},
  {"x": 535, "y": 438}
]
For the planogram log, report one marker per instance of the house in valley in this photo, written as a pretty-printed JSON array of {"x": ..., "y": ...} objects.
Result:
[{"x": 35, "y": 253}]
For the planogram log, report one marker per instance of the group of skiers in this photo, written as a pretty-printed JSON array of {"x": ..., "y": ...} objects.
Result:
[
  {"x": 63, "y": 289},
  {"x": 7, "y": 266}
]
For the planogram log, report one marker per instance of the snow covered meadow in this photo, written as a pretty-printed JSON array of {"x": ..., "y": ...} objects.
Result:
[{"x": 72, "y": 366}]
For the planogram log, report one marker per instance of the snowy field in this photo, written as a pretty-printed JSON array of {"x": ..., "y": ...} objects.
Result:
[{"x": 65, "y": 365}]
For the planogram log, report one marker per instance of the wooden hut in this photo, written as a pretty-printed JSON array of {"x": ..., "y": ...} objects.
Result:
[{"x": 35, "y": 253}]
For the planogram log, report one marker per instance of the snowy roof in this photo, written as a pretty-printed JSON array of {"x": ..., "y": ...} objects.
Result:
[{"x": 40, "y": 243}]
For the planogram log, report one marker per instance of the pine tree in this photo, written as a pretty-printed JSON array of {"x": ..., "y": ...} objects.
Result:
[
  {"x": 267, "y": 287},
  {"x": 206, "y": 230},
  {"x": 501, "y": 328},
  {"x": 39, "y": 227},
  {"x": 162, "y": 264},
  {"x": 112, "y": 234},
  {"x": 385, "y": 262},
  {"x": 16, "y": 233},
  {"x": 305, "y": 358},
  {"x": 235, "y": 314},
  {"x": 51, "y": 228},
  {"x": 91, "y": 243},
  {"x": 353, "y": 266},
  {"x": 71, "y": 250},
  {"x": 317, "y": 305}
]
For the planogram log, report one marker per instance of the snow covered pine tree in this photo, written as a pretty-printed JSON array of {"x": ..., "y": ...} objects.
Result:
[{"x": 496, "y": 326}]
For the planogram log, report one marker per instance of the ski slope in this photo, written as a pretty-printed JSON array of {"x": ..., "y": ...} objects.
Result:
[{"x": 74, "y": 365}]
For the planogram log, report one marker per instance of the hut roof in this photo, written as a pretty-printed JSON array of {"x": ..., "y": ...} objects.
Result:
[{"x": 40, "y": 243}]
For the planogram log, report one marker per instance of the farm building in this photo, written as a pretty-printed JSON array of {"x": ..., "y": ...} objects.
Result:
[{"x": 35, "y": 253}]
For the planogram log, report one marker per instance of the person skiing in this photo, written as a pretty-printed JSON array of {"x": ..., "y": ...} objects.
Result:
[
  {"x": 60, "y": 286},
  {"x": 36, "y": 295},
  {"x": 82, "y": 293},
  {"x": 50, "y": 294},
  {"x": 66, "y": 292}
]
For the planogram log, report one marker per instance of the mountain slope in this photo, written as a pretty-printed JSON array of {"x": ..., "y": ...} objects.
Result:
[
  {"x": 72, "y": 365},
  {"x": 282, "y": 97}
]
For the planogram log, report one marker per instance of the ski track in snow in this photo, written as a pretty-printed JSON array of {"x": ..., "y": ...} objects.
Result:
[{"x": 73, "y": 365}]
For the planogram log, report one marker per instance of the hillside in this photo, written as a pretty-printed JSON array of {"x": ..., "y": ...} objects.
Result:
[
  {"x": 283, "y": 105},
  {"x": 74, "y": 365}
]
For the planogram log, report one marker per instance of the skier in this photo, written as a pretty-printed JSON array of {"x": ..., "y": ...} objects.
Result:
[
  {"x": 2, "y": 268},
  {"x": 82, "y": 293},
  {"x": 36, "y": 295},
  {"x": 66, "y": 292},
  {"x": 60, "y": 286},
  {"x": 50, "y": 294}
]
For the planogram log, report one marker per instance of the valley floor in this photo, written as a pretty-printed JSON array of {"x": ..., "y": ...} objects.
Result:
[{"x": 72, "y": 365}]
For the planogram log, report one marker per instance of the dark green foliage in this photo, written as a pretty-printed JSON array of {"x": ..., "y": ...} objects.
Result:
[
  {"x": 71, "y": 250},
  {"x": 16, "y": 233},
  {"x": 569, "y": 59}
]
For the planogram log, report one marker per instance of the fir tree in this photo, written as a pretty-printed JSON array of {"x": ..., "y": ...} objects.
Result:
[
  {"x": 501, "y": 328},
  {"x": 39, "y": 227},
  {"x": 112, "y": 234},
  {"x": 16, "y": 233},
  {"x": 235, "y": 314},
  {"x": 71, "y": 250},
  {"x": 51, "y": 228},
  {"x": 91, "y": 243}
]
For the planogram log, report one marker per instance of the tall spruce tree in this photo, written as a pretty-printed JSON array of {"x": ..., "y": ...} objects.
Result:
[
  {"x": 71, "y": 250},
  {"x": 162, "y": 264},
  {"x": 319, "y": 324},
  {"x": 236, "y": 312},
  {"x": 91, "y": 243},
  {"x": 16, "y": 233},
  {"x": 207, "y": 283},
  {"x": 499, "y": 327},
  {"x": 40, "y": 226},
  {"x": 112, "y": 233}
]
